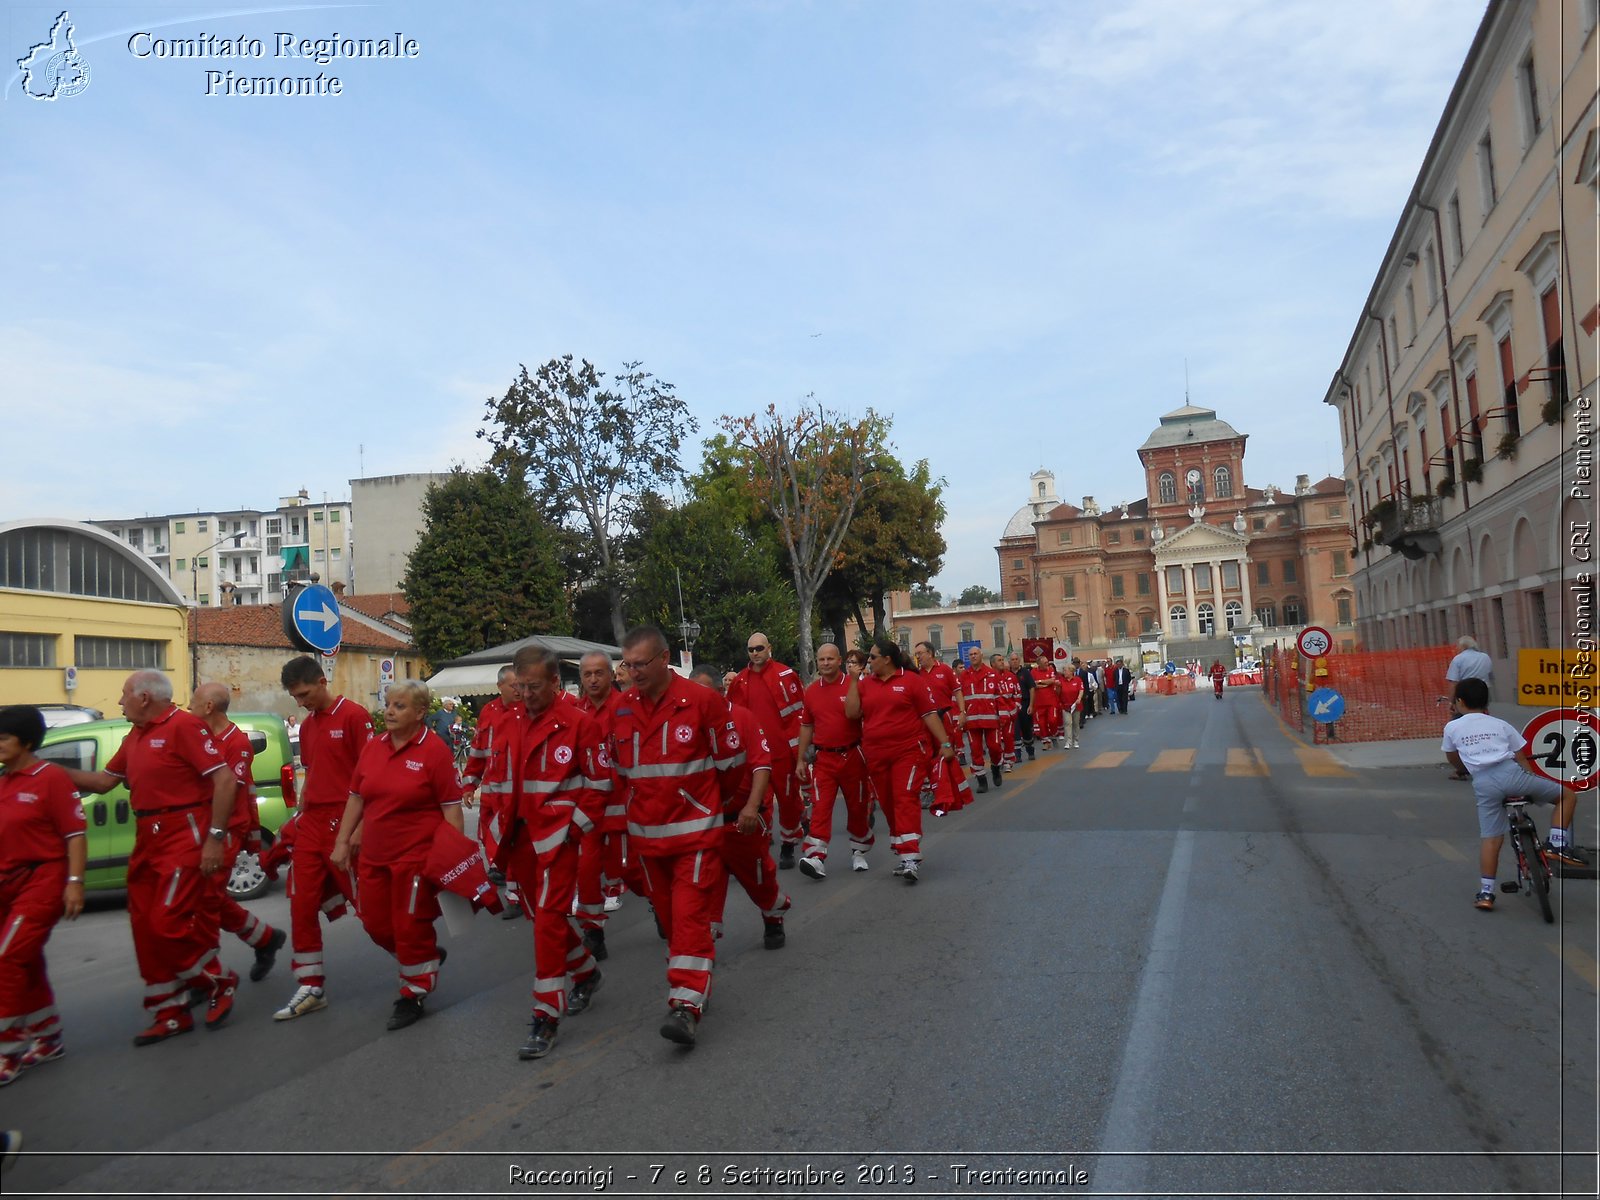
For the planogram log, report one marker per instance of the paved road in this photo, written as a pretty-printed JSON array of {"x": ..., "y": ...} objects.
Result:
[{"x": 1192, "y": 937}]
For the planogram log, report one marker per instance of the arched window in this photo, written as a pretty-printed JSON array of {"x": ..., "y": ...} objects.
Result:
[
  {"x": 936, "y": 636},
  {"x": 1267, "y": 613},
  {"x": 1222, "y": 482},
  {"x": 1119, "y": 625},
  {"x": 1041, "y": 491},
  {"x": 1168, "y": 488},
  {"x": 1178, "y": 620},
  {"x": 1291, "y": 611},
  {"x": 1233, "y": 612},
  {"x": 1205, "y": 617},
  {"x": 967, "y": 630}
]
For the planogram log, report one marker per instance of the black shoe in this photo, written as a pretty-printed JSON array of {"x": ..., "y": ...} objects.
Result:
[
  {"x": 267, "y": 955},
  {"x": 512, "y": 911},
  {"x": 775, "y": 936},
  {"x": 407, "y": 1011},
  {"x": 443, "y": 954},
  {"x": 983, "y": 784},
  {"x": 595, "y": 940},
  {"x": 661, "y": 930},
  {"x": 681, "y": 1026},
  {"x": 540, "y": 1038},
  {"x": 1030, "y": 753},
  {"x": 582, "y": 993},
  {"x": 994, "y": 774},
  {"x": 497, "y": 877},
  {"x": 786, "y": 857}
]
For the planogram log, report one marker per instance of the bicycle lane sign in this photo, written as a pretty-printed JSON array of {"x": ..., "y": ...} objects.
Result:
[{"x": 1564, "y": 744}]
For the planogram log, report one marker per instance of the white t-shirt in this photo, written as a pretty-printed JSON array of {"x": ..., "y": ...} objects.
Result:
[
  {"x": 1482, "y": 740},
  {"x": 1470, "y": 664}
]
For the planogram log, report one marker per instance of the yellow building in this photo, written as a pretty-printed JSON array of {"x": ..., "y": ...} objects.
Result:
[{"x": 79, "y": 610}]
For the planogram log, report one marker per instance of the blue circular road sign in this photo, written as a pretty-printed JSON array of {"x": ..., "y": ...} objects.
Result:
[
  {"x": 314, "y": 615},
  {"x": 1326, "y": 705}
]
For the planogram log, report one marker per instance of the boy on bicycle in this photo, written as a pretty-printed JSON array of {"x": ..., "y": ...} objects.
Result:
[{"x": 1495, "y": 755}]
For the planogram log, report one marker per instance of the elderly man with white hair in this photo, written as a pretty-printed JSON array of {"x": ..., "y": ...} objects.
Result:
[{"x": 1469, "y": 663}]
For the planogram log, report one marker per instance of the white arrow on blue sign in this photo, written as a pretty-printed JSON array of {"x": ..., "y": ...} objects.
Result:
[
  {"x": 1326, "y": 705},
  {"x": 315, "y": 614}
]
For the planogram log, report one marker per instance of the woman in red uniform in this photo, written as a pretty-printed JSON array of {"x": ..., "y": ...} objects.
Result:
[
  {"x": 42, "y": 856},
  {"x": 403, "y": 788},
  {"x": 900, "y": 726},
  {"x": 1218, "y": 674}
]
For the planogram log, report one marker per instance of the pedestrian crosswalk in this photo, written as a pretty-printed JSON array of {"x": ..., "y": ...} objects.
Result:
[{"x": 1239, "y": 762}]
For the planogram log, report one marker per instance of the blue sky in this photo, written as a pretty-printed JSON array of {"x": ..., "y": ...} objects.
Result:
[{"x": 1010, "y": 223}]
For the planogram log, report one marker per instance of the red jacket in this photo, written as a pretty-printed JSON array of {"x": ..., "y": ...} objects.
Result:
[
  {"x": 1046, "y": 687},
  {"x": 750, "y": 746},
  {"x": 670, "y": 751},
  {"x": 455, "y": 865},
  {"x": 980, "y": 684},
  {"x": 615, "y": 817},
  {"x": 564, "y": 777},
  {"x": 487, "y": 760},
  {"x": 773, "y": 695}
]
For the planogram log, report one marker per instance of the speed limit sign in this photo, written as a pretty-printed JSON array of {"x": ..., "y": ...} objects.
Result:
[
  {"x": 1314, "y": 642},
  {"x": 1563, "y": 744}
]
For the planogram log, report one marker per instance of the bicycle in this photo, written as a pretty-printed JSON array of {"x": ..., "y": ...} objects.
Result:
[{"x": 1533, "y": 868}]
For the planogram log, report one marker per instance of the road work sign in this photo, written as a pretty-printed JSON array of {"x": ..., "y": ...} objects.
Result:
[{"x": 1557, "y": 678}]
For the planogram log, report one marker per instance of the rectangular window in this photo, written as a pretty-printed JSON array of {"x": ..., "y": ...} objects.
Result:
[
  {"x": 1141, "y": 583},
  {"x": 1069, "y": 587},
  {"x": 316, "y": 517},
  {"x": 27, "y": 649},
  {"x": 275, "y": 582},
  {"x": 202, "y": 526},
  {"x": 334, "y": 516},
  {"x": 1290, "y": 571},
  {"x": 205, "y": 598},
  {"x": 202, "y": 563},
  {"x": 1343, "y": 605},
  {"x": 1411, "y": 314},
  {"x": 274, "y": 526},
  {"x": 1263, "y": 572},
  {"x": 1202, "y": 577},
  {"x": 1174, "y": 581},
  {"x": 1335, "y": 511},
  {"x": 255, "y": 565},
  {"x": 1064, "y": 536},
  {"x": 1072, "y": 631},
  {"x": 1538, "y": 617},
  {"x": 1114, "y": 538},
  {"x": 1119, "y": 627},
  {"x": 336, "y": 552},
  {"x": 181, "y": 565},
  {"x": 1138, "y": 534},
  {"x": 1117, "y": 588},
  {"x": 1457, "y": 242},
  {"x": 1341, "y": 565},
  {"x": 1258, "y": 525},
  {"x": 177, "y": 527},
  {"x": 1430, "y": 271},
  {"x": 999, "y": 637},
  {"x": 1021, "y": 596},
  {"x": 1487, "y": 188},
  {"x": 1016, "y": 563},
  {"x": 936, "y": 637},
  {"x": 317, "y": 554},
  {"x": 1529, "y": 92},
  {"x": 1230, "y": 574},
  {"x": 1394, "y": 345},
  {"x": 119, "y": 654},
  {"x": 1497, "y": 613}
]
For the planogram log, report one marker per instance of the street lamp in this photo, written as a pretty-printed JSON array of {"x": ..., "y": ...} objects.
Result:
[
  {"x": 194, "y": 562},
  {"x": 689, "y": 631}
]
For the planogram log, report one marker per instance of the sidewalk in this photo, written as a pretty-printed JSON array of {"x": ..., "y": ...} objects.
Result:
[{"x": 1407, "y": 752}]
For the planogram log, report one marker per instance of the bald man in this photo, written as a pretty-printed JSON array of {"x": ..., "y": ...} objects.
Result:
[
  {"x": 210, "y": 704},
  {"x": 772, "y": 693}
]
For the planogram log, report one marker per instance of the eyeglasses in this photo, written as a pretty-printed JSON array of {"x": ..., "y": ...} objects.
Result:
[
  {"x": 755, "y": 649},
  {"x": 639, "y": 666}
]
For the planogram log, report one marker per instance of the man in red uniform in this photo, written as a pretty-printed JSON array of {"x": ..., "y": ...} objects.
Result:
[
  {"x": 564, "y": 777},
  {"x": 1008, "y": 699},
  {"x": 830, "y": 756},
  {"x": 489, "y": 770},
  {"x": 744, "y": 771},
  {"x": 668, "y": 734},
  {"x": 1046, "y": 699},
  {"x": 332, "y": 737},
  {"x": 210, "y": 703},
  {"x": 600, "y": 856},
  {"x": 183, "y": 794},
  {"x": 771, "y": 691},
  {"x": 983, "y": 723},
  {"x": 952, "y": 784}
]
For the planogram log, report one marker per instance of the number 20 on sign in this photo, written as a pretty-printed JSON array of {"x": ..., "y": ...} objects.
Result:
[{"x": 1564, "y": 744}]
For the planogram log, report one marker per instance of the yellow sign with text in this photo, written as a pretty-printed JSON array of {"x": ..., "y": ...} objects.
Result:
[{"x": 1558, "y": 678}]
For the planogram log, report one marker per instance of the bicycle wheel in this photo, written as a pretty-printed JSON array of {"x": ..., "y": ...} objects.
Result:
[{"x": 1537, "y": 870}]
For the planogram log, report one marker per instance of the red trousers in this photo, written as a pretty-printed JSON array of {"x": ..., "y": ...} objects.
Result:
[
  {"x": 599, "y": 875},
  {"x": 233, "y": 917},
  {"x": 558, "y": 949},
  {"x": 1008, "y": 736},
  {"x": 398, "y": 907},
  {"x": 30, "y": 906},
  {"x": 980, "y": 737},
  {"x": 832, "y": 773},
  {"x": 170, "y": 910},
  {"x": 951, "y": 785},
  {"x": 310, "y": 876},
  {"x": 686, "y": 890},
  {"x": 897, "y": 779},
  {"x": 748, "y": 858},
  {"x": 1047, "y": 721},
  {"x": 786, "y": 797}
]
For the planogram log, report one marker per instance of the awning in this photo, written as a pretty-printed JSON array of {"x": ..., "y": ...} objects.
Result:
[
  {"x": 467, "y": 681},
  {"x": 295, "y": 556}
]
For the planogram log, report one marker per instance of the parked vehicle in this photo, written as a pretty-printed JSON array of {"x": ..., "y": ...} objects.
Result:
[
  {"x": 109, "y": 818},
  {"x": 68, "y": 714}
]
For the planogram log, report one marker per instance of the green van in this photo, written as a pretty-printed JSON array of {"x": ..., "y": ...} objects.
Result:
[{"x": 90, "y": 746}]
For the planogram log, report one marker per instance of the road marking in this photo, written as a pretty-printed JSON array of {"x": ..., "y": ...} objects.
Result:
[
  {"x": 1580, "y": 963},
  {"x": 1130, "y": 1118},
  {"x": 1173, "y": 760},
  {"x": 1245, "y": 762},
  {"x": 1405, "y": 814},
  {"x": 1318, "y": 762},
  {"x": 1445, "y": 849},
  {"x": 1109, "y": 758}
]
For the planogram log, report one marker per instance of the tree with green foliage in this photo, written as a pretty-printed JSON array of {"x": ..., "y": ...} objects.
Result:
[
  {"x": 923, "y": 596},
  {"x": 978, "y": 594},
  {"x": 486, "y": 570},
  {"x": 588, "y": 451}
]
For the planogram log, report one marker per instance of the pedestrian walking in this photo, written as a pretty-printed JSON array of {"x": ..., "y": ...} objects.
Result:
[
  {"x": 489, "y": 770},
  {"x": 602, "y": 857},
  {"x": 831, "y": 762},
  {"x": 771, "y": 691}
]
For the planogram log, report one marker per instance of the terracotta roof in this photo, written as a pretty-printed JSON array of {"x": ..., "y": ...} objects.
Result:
[
  {"x": 261, "y": 625},
  {"x": 1328, "y": 484},
  {"x": 392, "y": 607}
]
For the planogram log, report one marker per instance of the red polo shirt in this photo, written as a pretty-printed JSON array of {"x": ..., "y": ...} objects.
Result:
[
  {"x": 943, "y": 683},
  {"x": 891, "y": 713},
  {"x": 824, "y": 712},
  {"x": 330, "y": 743},
  {"x": 235, "y": 746},
  {"x": 39, "y": 812},
  {"x": 403, "y": 792},
  {"x": 166, "y": 761}
]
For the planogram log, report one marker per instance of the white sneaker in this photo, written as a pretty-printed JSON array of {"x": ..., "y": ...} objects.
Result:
[
  {"x": 1045, "y": 744},
  {"x": 812, "y": 865},
  {"x": 613, "y": 903},
  {"x": 305, "y": 1000},
  {"x": 1006, "y": 767},
  {"x": 858, "y": 861},
  {"x": 1074, "y": 745},
  {"x": 908, "y": 869}
]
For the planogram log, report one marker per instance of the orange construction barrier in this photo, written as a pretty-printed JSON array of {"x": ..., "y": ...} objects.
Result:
[{"x": 1388, "y": 694}]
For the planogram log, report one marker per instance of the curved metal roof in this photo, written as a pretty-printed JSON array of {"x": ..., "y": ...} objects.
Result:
[{"x": 160, "y": 585}]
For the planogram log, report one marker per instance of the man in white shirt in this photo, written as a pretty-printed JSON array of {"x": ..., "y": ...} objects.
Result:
[{"x": 1495, "y": 755}]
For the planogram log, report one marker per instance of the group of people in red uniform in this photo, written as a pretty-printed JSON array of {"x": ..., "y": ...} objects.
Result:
[{"x": 669, "y": 788}]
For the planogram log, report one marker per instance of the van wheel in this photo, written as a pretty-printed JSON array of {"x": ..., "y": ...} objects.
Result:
[{"x": 248, "y": 879}]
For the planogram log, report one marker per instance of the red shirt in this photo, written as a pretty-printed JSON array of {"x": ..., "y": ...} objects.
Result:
[
  {"x": 1047, "y": 687},
  {"x": 605, "y": 715},
  {"x": 824, "y": 712},
  {"x": 746, "y": 750},
  {"x": 980, "y": 684},
  {"x": 891, "y": 713},
  {"x": 330, "y": 743},
  {"x": 942, "y": 682},
  {"x": 1071, "y": 691},
  {"x": 235, "y": 746},
  {"x": 166, "y": 761},
  {"x": 671, "y": 751},
  {"x": 403, "y": 793},
  {"x": 772, "y": 695},
  {"x": 39, "y": 812}
]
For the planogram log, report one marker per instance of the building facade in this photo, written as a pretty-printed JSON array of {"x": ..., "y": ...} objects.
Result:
[
  {"x": 388, "y": 510},
  {"x": 1466, "y": 393}
]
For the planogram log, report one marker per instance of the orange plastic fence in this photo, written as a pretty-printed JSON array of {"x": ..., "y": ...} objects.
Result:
[{"x": 1388, "y": 694}]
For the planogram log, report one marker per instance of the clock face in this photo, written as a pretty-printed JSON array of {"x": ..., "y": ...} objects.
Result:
[{"x": 1193, "y": 476}]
